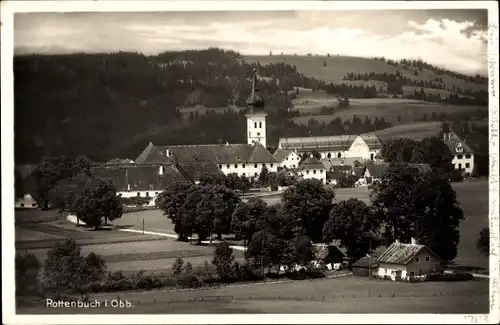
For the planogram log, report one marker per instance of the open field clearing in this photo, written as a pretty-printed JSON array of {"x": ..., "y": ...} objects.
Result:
[
  {"x": 388, "y": 108},
  {"x": 339, "y": 66},
  {"x": 338, "y": 295},
  {"x": 416, "y": 131}
]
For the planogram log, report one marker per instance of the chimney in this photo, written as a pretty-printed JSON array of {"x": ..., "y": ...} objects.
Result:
[{"x": 414, "y": 241}]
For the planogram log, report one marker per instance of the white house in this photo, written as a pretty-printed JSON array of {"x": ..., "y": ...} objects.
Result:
[
  {"x": 312, "y": 168},
  {"x": 287, "y": 158},
  {"x": 373, "y": 172},
  {"x": 364, "y": 146},
  {"x": 401, "y": 260},
  {"x": 463, "y": 155}
]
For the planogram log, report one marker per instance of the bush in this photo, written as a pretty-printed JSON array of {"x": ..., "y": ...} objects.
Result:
[
  {"x": 135, "y": 200},
  {"x": 188, "y": 281},
  {"x": 178, "y": 266}
]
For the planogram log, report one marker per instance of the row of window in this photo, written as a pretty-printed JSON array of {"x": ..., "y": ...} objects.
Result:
[
  {"x": 467, "y": 165},
  {"x": 228, "y": 166},
  {"x": 467, "y": 156},
  {"x": 314, "y": 171},
  {"x": 427, "y": 259},
  {"x": 139, "y": 194},
  {"x": 255, "y": 125}
]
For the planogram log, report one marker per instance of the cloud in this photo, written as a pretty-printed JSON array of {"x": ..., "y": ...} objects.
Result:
[{"x": 446, "y": 41}]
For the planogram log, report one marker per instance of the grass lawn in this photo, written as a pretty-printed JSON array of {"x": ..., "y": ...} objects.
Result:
[{"x": 338, "y": 295}]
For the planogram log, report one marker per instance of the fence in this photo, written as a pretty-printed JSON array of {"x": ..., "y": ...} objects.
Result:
[{"x": 204, "y": 296}]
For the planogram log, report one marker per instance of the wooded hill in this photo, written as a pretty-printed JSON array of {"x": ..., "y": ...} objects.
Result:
[{"x": 112, "y": 104}]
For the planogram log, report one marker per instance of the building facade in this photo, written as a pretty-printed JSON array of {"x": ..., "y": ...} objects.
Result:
[
  {"x": 463, "y": 155},
  {"x": 287, "y": 158},
  {"x": 312, "y": 168}
]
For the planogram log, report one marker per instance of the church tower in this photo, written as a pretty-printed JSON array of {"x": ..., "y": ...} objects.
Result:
[{"x": 256, "y": 117}]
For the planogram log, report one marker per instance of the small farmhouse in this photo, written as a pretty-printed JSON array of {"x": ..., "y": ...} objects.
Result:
[
  {"x": 463, "y": 155},
  {"x": 373, "y": 172},
  {"x": 312, "y": 168},
  {"x": 286, "y": 158},
  {"x": 400, "y": 260}
]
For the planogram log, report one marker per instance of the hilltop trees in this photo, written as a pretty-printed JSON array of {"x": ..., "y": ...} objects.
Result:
[{"x": 422, "y": 206}]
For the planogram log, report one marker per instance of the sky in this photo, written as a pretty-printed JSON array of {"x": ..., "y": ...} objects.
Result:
[{"x": 452, "y": 39}]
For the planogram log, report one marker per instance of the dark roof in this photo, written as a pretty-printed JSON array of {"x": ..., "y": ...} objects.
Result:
[
  {"x": 376, "y": 170},
  {"x": 335, "y": 175},
  {"x": 341, "y": 161},
  {"x": 281, "y": 154},
  {"x": 341, "y": 168},
  {"x": 221, "y": 153},
  {"x": 196, "y": 169},
  {"x": 326, "y": 252},
  {"x": 366, "y": 262},
  {"x": 454, "y": 141},
  {"x": 359, "y": 171},
  {"x": 334, "y": 143},
  {"x": 140, "y": 177},
  {"x": 311, "y": 163},
  {"x": 399, "y": 253},
  {"x": 151, "y": 155}
]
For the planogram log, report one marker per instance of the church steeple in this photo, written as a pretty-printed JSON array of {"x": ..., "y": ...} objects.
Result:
[{"x": 256, "y": 117}]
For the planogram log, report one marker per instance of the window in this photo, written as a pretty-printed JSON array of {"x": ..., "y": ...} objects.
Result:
[
  {"x": 459, "y": 166},
  {"x": 220, "y": 166},
  {"x": 138, "y": 193},
  {"x": 287, "y": 158},
  {"x": 467, "y": 165},
  {"x": 260, "y": 125},
  {"x": 307, "y": 171},
  {"x": 156, "y": 193},
  {"x": 417, "y": 260},
  {"x": 255, "y": 165},
  {"x": 329, "y": 155},
  {"x": 321, "y": 171},
  {"x": 119, "y": 194},
  {"x": 244, "y": 174},
  {"x": 314, "y": 171},
  {"x": 243, "y": 165},
  {"x": 255, "y": 174},
  {"x": 263, "y": 165},
  {"x": 339, "y": 155},
  {"x": 228, "y": 166},
  {"x": 427, "y": 258},
  {"x": 467, "y": 156},
  {"x": 460, "y": 156},
  {"x": 235, "y": 165},
  {"x": 255, "y": 125},
  {"x": 271, "y": 165},
  {"x": 147, "y": 194}
]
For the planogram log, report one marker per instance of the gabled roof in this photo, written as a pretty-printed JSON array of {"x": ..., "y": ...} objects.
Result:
[
  {"x": 359, "y": 171},
  {"x": 140, "y": 177},
  {"x": 311, "y": 163},
  {"x": 402, "y": 254},
  {"x": 151, "y": 155},
  {"x": 376, "y": 170},
  {"x": 334, "y": 175},
  {"x": 372, "y": 141},
  {"x": 334, "y": 143},
  {"x": 281, "y": 154},
  {"x": 327, "y": 252},
  {"x": 196, "y": 169},
  {"x": 366, "y": 262},
  {"x": 220, "y": 153},
  {"x": 454, "y": 141},
  {"x": 341, "y": 161}
]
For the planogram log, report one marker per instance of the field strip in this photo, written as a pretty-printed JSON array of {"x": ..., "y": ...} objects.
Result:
[
  {"x": 483, "y": 276},
  {"x": 145, "y": 232}
]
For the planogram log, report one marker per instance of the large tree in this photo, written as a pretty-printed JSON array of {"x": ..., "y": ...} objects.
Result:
[
  {"x": 51, "y": 170},
  {"x": 64, "y": 194},
  {"x": 171, "y": 200},
  {"x": 351, "y": 222},
  {"x": 398, "y": 150},
  {"x": 422, "y": 206},
  {"x": 433, "y": 151},
  {"x": 98, "y": 202},
  {"x": 309, "y": 202},
  {"x": 245, "y": 217}
]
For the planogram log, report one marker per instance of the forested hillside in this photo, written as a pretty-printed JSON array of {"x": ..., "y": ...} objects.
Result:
[{"x": 110, "y": 105}]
